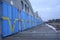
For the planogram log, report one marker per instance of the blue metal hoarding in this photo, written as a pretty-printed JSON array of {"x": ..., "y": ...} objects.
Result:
[
  {"x": 10, "y": 19},
  {"x": 29, "y": 21},
  {"x": 5, "y": 25},
  {"x": 10, "y": 23},
  {"x": 32, "y": 21},
  {"x": 4, "y": 10},
  {"x": 5, "y": 28},
  {"x": 35, "y": 22},
  {"x": 9, "y": 10},
  {"x": 23, "y": 18},
  {"x": 15, "y": 19}
]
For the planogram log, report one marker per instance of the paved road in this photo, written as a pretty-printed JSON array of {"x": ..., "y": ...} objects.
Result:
[{"x": 41, "y": 32}]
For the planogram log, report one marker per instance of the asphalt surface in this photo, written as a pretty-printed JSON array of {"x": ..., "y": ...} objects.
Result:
[{"x": 41, "y": 32}]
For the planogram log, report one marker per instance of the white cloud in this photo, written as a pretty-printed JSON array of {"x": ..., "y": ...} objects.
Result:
[{"x": 48, "y": 9}]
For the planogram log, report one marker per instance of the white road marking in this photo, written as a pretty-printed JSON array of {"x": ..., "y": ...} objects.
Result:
[{"x": 51, "y": 27}]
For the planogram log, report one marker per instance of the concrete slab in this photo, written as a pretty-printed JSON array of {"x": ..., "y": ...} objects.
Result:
[{"x": 41, "y": 32}]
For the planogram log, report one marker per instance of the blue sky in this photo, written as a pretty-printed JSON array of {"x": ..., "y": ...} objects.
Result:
[{"x": 47, "y": 9}]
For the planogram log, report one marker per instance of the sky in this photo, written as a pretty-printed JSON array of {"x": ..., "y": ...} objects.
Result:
[{"x": 47, "y": 9}]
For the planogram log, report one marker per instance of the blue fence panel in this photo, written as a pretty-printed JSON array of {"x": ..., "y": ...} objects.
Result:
[
  {"x": 36, "y": 22},
  {"x": 14, "y": 13},
  {"x": 22, "y": 26},
  {"x": 4, "y": 10},
  {"x": 9, "y": 10},
  {"x": 5, "y": 24},
  {"x": 23, "y": 17},
  {"x": 33, "y": 22},
  {"x": 6, "y": 30},
  {"x": 29, "y": 21},
  {"x": 16, "y": 27},
  {"x": 14, "y": 19}
]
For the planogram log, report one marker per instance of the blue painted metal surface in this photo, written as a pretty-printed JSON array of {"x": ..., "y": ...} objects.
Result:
[
  {"x": 32, "y": 21},
  {"x": 4, "y": 10},
  {"x": 23, "y": 17},
  {"x": 10, "y": 24},
  {"x": 16, "y": 27},
  {"x": 29, "y": 17},
  {"x": 5, "y": 26},
  {"x": 9, "y": 10},
  {"x": 27, "y": 21},
  {"x": 14, "y": 17}
]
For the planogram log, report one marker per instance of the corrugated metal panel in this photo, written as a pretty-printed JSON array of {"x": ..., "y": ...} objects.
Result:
[
  {"x": 27, "y": 21},
  {"x": 9, "y": 10},
  {"x": 15, "y": 19},
  {"x": 5, "y": 25},
  {"x": 32, "y": 21},
  {"x": 16, "y": 28},
  {"x": 4, "y": 9},
  {"x": 14, "y": 13},
  {"x": 29, "y": 18},
  {"x": 35, "y": 22},
  {"x": 0, "y": 10},
  {"x": 23, "y": 18},
  {"x": 0, "y": 20},
  {"x": 10, "y": 20},
  {"x": 5, "y": 28}
]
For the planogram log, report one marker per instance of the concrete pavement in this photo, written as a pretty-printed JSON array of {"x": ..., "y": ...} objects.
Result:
[{"x": 41, "y": 32}]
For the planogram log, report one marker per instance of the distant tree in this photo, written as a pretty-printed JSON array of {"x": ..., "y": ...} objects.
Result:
[
  {"x": 57, "y": 20},
  {"x": 53, "y": 20}
]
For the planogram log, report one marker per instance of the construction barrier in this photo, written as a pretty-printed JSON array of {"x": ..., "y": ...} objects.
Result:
[{"x": 10, "y": 20}]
